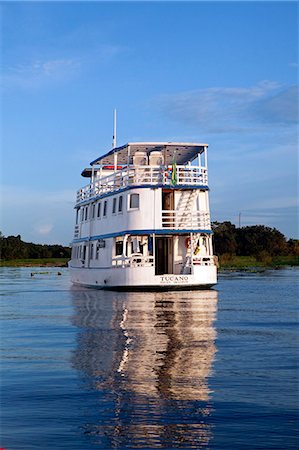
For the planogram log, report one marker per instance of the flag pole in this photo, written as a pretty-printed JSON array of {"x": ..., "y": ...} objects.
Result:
[{"x": 114, "y": 129}]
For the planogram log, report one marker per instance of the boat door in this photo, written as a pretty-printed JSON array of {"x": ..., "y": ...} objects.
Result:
[
  {"x": 164, "y": 255},
  {"x": 167, "y": 205}
]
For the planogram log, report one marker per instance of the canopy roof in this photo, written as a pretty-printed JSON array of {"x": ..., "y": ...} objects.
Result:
[{"x": 182, "y": 151}]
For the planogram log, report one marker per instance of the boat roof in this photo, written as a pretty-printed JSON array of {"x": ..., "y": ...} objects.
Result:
[{"x": 183, "y": 151}]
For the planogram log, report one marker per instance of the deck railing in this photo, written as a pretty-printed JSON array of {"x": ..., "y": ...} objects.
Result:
[
  {"x": 180, "y": 220},
  {"x": 133, "y": 261},
  {"x": 151, "y": 175}
]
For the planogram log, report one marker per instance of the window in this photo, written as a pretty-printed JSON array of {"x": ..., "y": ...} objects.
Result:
[
  {"x": 97, "y": 250},
  {"x": 77, "y": 215},
  {"x": 93, "y": 210},
  {"x": 91, "y": 251},
  {"x": 114, "y": 206},
  {"x": 120, "y": 203},
  {"x": 119, "y": 244},
  {"x": 82, "y": 214},
  {"x": 99, "y": 210},
  {"x": 86, "y": 212},
  {"x": 84, "y": 253},
  {"x": 134, "y": 201},
  {"x": 105, "y": 208}
]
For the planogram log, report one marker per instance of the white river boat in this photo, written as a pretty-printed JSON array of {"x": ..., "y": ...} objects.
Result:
[{"x": 143, "y": 220}]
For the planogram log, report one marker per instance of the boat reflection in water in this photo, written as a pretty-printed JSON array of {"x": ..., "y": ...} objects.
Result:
[{"x": 149, "y": 356}]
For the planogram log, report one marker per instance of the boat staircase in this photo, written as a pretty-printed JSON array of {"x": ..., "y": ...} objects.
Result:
[{"x": 184, "y": 207}]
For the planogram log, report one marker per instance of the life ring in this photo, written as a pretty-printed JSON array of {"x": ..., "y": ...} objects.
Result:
[{"x": 188, "y": 242}]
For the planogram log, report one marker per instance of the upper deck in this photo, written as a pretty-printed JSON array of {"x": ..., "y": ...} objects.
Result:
[{"x": 161, "y": 164}]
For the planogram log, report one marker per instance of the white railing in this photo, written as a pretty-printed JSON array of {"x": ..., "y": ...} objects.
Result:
[
  {"x": 187, "y": 267},
  {"x": 133, "y": 261},
  {"x": 180, "y": 220},
  {"x": 204, "y": 260},
  {"x": 77, "y": 231},
  {"x": 152, "y": 175}
]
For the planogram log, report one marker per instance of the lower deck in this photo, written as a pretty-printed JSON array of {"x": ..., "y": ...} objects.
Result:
[
  {"x": 168, "y": 254},
  {"x": 145, "y": 260}
]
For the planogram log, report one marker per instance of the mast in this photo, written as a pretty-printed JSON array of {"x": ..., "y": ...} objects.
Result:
[{"x": 114, "y": 130}]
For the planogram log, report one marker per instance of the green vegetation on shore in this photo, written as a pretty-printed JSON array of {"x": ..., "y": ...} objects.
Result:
[
  {"x": 37, "y": 262},
  {"x": 237, "y": 248},
  {"x": 253, "y": 247},
  {"x": 13, "y": 249},
  {"x": 250, "y": 262}
]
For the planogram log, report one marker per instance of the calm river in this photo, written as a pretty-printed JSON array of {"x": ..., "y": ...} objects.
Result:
[{"x": 86, "y": 369}]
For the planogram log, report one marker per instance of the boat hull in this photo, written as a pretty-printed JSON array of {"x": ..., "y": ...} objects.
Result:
[{"x": 143, "y": 278}]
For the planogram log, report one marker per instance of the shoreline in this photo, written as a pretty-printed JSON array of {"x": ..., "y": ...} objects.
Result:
[
  {"x": 226, "y": 264},
  {"x": 44, "y": 262}
]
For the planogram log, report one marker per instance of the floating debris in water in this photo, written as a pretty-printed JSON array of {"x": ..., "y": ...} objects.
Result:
[{"x": 43, "y": 273}]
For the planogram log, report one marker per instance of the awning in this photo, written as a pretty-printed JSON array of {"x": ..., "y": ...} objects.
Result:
[{"x": 183, "y": 152}]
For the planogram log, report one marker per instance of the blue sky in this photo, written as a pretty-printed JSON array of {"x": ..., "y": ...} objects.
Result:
[{"x": 225, "y": 73}]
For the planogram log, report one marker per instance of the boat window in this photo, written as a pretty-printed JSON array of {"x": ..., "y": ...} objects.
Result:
[
  {"x": 105, "y": 208},
  {"x": 120, "y": 203},
  {"x": 114, "y": 206},
  {"x": 134, "y": 201},
  {"x": 82, "y": 214},
  {"x": 93, "y": 211},
  {"x": 97, "y": 250},
  {"x": 99, "y": 210},
  {"x": 91, "y": 251},
  {"x": 119, "y": 246},
  {"x": 77, "y": 215},
  {"x": 86, "y": 212}
]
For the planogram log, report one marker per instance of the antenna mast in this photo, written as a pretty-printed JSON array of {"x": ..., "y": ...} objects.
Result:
[{"x": 114, "y": 129}]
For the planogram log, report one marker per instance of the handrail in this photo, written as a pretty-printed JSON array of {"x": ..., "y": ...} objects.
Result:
[
  {"x": 133, "y": 261},
  {"x": 151, "y": 175},
  {"x": 177, "y": 219}
]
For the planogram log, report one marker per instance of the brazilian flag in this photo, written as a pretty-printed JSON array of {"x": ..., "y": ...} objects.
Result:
[{"x": 174, "y": 177}]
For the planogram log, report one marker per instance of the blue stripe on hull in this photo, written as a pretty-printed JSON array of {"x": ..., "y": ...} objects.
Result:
[{"x": 140, "y": 232}]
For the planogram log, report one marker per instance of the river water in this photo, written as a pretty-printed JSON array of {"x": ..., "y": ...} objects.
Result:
[{"x": 86, "y": 369}]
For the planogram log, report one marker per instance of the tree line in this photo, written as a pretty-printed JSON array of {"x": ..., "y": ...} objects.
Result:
[
  {"x": 12, "y": 247},
  {"x": 257, "y": 240}
]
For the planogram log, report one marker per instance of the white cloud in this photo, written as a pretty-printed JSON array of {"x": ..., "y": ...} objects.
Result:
[
  {"x": 233, "y": 109},
  {"x": 37, "y": 72},
  {"x": 44, "y": 229},
  {"x": 41, "y": 217}
]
